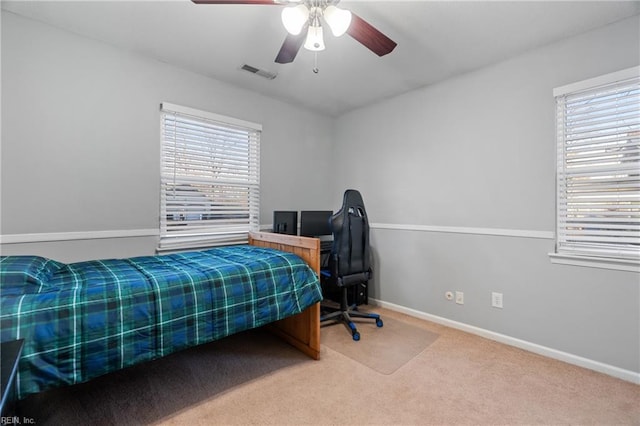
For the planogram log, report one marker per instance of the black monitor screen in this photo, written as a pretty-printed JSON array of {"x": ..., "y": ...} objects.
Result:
[
  {"x": 314, "y": 223},
  {"x": 285, "y": 222}
]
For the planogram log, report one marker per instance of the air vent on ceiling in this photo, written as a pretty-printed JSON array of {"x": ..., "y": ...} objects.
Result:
[{"x": 262, "y": 73}]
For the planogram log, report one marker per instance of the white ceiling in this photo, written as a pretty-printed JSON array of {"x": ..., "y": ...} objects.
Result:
[{"x": 436, "y": 40}]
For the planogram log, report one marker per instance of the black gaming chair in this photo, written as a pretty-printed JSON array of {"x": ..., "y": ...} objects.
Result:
[{"x": 349, "y": 261}]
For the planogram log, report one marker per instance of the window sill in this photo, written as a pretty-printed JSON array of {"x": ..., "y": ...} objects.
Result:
[{"x": 595, "y": 262}]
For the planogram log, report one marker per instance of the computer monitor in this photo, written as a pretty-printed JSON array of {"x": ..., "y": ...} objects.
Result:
[
  {"x": 285, "y": 222},
  {"x": 315, "y": 223}
]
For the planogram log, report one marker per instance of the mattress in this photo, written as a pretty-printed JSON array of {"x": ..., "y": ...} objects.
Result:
[{"x": 82, "y": 320}]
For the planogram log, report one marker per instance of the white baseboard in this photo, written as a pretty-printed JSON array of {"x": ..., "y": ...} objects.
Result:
[{"x": 627, "y": 375}]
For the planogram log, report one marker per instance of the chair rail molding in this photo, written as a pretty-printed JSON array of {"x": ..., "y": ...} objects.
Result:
[
  {"x": 72, "y": 236},
  {"x": 518, "y": 233}
]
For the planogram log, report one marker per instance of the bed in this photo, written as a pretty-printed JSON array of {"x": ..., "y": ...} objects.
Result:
[{"x": 82, "y": 320}]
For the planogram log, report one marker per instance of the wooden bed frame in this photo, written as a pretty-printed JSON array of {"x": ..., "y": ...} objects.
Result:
[{"x": 301, "y": 330}]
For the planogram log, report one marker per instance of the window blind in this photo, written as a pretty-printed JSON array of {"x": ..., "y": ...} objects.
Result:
[
  {"x": 598, "y": 168},
  {"x": 210, "y": 179}
]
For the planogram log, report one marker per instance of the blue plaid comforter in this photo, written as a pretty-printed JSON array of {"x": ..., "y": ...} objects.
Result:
[{"x": 82, "y": 320}]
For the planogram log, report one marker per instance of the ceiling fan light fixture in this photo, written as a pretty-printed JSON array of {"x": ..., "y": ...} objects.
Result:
[
  {"x": 294, "y": 18},
  {"x": 338, "y": 20},
  {"x": 315, "y": 41}
]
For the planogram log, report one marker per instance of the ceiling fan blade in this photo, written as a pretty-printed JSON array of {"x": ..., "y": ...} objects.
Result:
[
  {"x": 276, "y": 2},
  {"x": 370, "y": 37},
  {"x": 291, "y": 46}
]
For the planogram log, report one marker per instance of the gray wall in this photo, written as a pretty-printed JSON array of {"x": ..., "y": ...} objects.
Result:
[
  {"x": 477, "y": 152},
  {"x": 80, "y": 153},
  {"x": 81, "y": 140}
]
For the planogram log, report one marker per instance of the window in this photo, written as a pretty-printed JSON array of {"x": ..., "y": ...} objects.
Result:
[
  {"x": 598, "y": 169},
  {"x": 210, "y": 179}
]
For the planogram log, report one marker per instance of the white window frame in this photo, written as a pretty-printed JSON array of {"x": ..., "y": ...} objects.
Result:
[
  {"x": 209, "y": 179},
  {"x": 598, "y": 185}
]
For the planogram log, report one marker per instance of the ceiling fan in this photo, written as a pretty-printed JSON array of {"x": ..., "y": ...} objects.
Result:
[{"x": 303, "y": 21}]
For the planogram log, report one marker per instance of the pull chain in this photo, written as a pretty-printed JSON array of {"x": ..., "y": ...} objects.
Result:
[{"x": 315, "y": 63}]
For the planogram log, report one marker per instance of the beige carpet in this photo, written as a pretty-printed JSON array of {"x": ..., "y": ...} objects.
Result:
[
  {"x": 254, "y": 378},
  {"x": 384, "y": 349}
]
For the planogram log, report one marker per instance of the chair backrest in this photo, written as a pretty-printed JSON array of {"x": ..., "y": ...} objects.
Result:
[{"x": 350, "y": 226}]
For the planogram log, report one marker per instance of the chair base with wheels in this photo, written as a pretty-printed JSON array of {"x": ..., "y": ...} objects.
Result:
[{"x": 345, "y": 313}]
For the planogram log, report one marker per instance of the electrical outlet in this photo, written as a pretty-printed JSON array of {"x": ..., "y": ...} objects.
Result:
[
  {"x": 496, "y": 300},
  {"x": 459, "y": 298}
]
